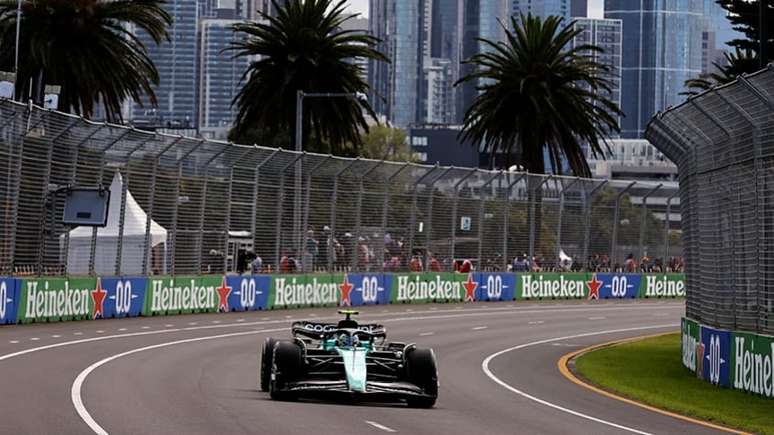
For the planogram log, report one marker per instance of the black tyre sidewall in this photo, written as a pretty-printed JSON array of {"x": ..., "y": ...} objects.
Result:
[{"x": 267, "y": 353}]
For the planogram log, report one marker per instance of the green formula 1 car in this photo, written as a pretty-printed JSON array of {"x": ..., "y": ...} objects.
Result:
[{"x": 350, "y": 359}]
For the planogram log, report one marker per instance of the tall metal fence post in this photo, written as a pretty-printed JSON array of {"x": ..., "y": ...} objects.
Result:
[
  {"x": 5, "y": 249},
  {"x": 172, "y": 253},
  {"x": 481, "y": 203},
  {"x": 644, "y": 218},
  {"x": 565, "y": 187},
  {"x": 122, "y": 216},
  {"x": 358, "y": 212},
  {"x": 532, "y": 214},
  {"x": 430, "y": 202},
  {"x": 227, "y": 225},
  {"x": 414, "y": 205},
  {"x": 506, "y": 216},
  {"x": 587, "y": 221},
  {"x": 455, "y": 204},
  {"x": 101, "y": 181},
  {"x": 280, "y": 205},
  {"x": 667, "y": 220},
  {"x": 16, "y": 190},
  {"x": 202, "y": 211},
  {"x": 256, "y": 192},
  {"x": 385, "y": 207},
  {"x": 305, "y": 226},
  {"x": 151, "y": 202},
  {"x": 616, "y": 217},
  {"x": 334, "y": 204},
  {"x": 72, "y": 178},
  {"x": 47, "y": 201}
]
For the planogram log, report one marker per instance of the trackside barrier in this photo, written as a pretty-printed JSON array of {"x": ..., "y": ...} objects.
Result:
[
  {"x": 9, "y": 297},
  {"x": 62, "y": 299},
  {"x": 738, "y": 360}
]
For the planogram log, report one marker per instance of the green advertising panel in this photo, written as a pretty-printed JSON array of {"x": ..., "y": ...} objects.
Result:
[
  {"x": 428, "y": 287},
  {"x": 752, "y": 363},
  {"x": 167, "y": 295},
  {"x": 552, "y": 285},
  {"x": 296, "y": 291},
  {"x": 659, "y": 285},
  {"x": 690, "y": 338},
  {"x": 56, "y": 299}
]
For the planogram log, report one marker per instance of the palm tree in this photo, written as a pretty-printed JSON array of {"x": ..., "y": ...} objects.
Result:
[
  {"x": 304, "y": 48},
  {"x": 86, "y": 47},
  {"x": 536, "y": 92},
  {"x": 737, "y": 63}
]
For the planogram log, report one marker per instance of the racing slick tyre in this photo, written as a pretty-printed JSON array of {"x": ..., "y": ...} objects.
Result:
[
  {"x": 287, "y": 366},
  {"x": 423, "y": 373},
  {"x": 267, "y": 354}
]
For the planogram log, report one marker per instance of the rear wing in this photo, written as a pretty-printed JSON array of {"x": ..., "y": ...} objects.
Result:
[{"x": 317, "y": 329}]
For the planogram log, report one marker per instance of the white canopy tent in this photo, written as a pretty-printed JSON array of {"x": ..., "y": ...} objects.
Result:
[{"x": 133, "y": 243}]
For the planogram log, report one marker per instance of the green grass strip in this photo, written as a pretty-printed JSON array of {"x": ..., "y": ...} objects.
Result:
[{"x": 651, "y": 371}]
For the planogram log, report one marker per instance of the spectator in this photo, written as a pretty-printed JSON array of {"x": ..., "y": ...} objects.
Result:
[
  {"x": 521, "y": 264},
  {"x": 256, "y": 266},
  {"x": 435, "y": 266},
  {"x": 630, "y": 265},
  {"x": 310, "y": 252},
  {"x": 658, "y": 267},
  {"x": 364, "y": 254},
  {"x": 288, "y": 264},
  {"x": 415, "y": 265},
  {"x": 464, "y": 266},
  {"x": 536, "y": 265}
]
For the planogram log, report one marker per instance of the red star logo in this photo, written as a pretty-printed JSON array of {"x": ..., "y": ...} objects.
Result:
[
  {"x": 98, "y": 296},
  {"x": 346, "y": 289},
  {"x": 594, "y": 286},
  {"x": 223, "y": 292},
  {"x": 470, "y": 289}
]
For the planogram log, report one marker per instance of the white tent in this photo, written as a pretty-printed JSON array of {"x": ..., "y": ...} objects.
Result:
[{"x": 133, "y": 242}]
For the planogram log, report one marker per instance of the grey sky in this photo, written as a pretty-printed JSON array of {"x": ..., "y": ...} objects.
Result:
[{"x": 595, "y": 7}]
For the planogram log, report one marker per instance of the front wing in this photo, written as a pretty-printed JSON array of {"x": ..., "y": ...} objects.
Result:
[{"x": 375, "y": 390}]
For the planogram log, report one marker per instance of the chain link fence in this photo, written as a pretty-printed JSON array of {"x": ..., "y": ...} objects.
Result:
[
  {"x": 187, "y": 206},
  {"x": 723, "y": 143}
]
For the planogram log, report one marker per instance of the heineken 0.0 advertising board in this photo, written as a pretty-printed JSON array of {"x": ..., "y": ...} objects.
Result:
[
  {"x": 615, "y": 285},
  {"x": 121, "y": 297},
  {"x": 8, "y": 300},
  {"x": 690, "y": 338},
  {"x": 752, "y": 364},
  {"x": 296, "y": 291},
  {"x": 714, "y": 356},
  {"x": 495, "y": 286},
  {"x": 433, "y": 287},
  {"x": 245, "y": 293},
  {"x": 363, "y": 289},
  {"x": 59, "y": 299},
  {"x": 167, "y": 295}
]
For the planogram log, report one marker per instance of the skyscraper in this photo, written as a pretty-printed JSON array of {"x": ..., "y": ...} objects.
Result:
[
  {"x": 661, "y": 50},
  {"x": 579, "y": 8},
  {"x": 606, "y": 34},
  {"x": 541, "y": 8},
  {"x": 219, "y": 76},
  {"x": 446, "y": 43},
  {"x": 176, "y": 63}
]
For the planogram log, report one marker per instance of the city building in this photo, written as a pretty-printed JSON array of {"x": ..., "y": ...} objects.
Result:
[
  {"x": 480, "y": 20},
  {"x": 446, "y": 43},
  {"x": 438, "y": 102},
  {"x": 579, "y": 8},
  {"x": 606, "y": 34},
  {"x": 661, "y": 50},
  {"x": 360, "y": 25},
  {"x": 175, "y": 61},
  {"x": 397, "y": 87},
  {"x": 219, "y": 77},
  {"x": 716, "y": 33},
  {"x": 541, "y": 8}
]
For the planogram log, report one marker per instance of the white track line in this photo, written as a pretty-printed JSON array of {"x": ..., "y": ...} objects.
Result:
[
  {"x": 380, "y": 426},
  {"x": 479, "y": 328},
  {"x": 488, "y": 372},
  {"x": 426, "y": 334}
]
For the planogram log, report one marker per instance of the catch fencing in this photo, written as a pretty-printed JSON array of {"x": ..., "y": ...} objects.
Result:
[
  {"x": 723, "y": 144},
  {"x": 182, "y": 206}
]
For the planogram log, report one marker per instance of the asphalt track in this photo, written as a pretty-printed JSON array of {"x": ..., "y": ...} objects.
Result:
[{"x": 198, "y": 374}]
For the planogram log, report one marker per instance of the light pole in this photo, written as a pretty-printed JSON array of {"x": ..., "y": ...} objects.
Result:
[
  {"x": 764, "y": 33},
  {"x": 300, "y": 95},
  {"x": 16, "y": 51}
]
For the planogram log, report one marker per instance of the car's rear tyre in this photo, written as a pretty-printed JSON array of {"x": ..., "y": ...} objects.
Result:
[
  {"x": 267, "y": 354},
  {"x": 287, "y": 366},
  {"x": 422, "y": 372}
]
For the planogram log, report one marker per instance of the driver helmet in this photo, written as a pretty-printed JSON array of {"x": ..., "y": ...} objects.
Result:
[{"x": 344, "y": 340}]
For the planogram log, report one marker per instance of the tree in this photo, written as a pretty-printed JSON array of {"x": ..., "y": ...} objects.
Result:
[
  {"x": 386, "y": 143},
  {"x": 303, "y": 48},
  {"x": 736, "y": 64},
  {"x": 537, "y": 92},
  {"x": 86, "y": 47},
  {"x": 745, "y": 17}
]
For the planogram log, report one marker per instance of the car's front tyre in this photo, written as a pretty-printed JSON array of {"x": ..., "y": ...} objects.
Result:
[{"x": 287, "y": 366}]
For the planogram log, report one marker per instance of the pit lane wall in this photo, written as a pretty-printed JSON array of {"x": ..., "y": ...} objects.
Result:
[
  {"x": 729, "y": 359},
  {"x": 28, "y": 300}
]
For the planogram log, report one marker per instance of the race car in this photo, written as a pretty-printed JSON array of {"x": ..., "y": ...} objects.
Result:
[{"x": 347, "y": 358}]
